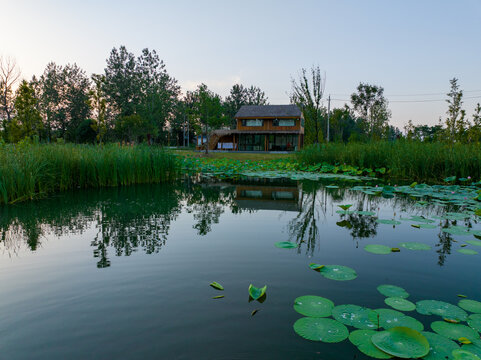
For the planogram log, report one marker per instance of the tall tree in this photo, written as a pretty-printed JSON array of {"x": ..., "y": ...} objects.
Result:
[
  {"x": 372, "y": 107},
  {"x": 474, "y": 132},
  {"x": 455, "y": 123},
  {"x": 98, "y": 106},
  {"x": 239, "y": 96},
  {"x": 9, "y": 76},
  {"x": 28, "y": 116},
  {"x": 308, "y": 94}
]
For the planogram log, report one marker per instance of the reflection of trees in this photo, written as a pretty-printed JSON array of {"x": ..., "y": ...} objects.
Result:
[
  {"x": 444, "y": 244},
  {"x": 362, "y": 226}
]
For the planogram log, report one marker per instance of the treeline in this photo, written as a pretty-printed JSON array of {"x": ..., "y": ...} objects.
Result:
[{"x": 134, "y": 100}]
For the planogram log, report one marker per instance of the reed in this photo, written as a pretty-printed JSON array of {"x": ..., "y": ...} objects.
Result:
[
  {"x": 405, "y": 160},
  {"x": 31, "y": 171}
]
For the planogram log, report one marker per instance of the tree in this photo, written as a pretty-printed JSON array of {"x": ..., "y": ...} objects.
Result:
[
  {"x": 372, "y": 107},
  {"x": 28, "y": 117},
  {"x": 308, "y": 96},
  {"x": 132, "y": 128},
  {"x": 239, "y": 96},
  {"x": 342, "y": 124},
  {"x": 9, "y": 76},
  {"x": 474, "y": 132},
  {"x": 98, "y": 105},
  {"x": 455, "y": 124}
]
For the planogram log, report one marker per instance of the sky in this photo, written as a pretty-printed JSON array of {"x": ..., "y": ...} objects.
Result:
[{"x": 410, "y": 48}]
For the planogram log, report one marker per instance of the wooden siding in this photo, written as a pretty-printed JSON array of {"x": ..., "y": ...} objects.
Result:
[{"x": 268, "y": 126}]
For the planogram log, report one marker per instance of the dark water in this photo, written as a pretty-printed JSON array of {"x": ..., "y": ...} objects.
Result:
[{"x": 124, "y": 273}]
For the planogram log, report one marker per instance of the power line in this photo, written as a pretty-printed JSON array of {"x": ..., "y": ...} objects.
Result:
[
  {"x": 419, "y": 94},
  {"x": 415, "y": 101}
]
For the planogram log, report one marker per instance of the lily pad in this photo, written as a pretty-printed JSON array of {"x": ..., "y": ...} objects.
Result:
[
  {"x": 338, "y": 272},
  {"x": 362, "y": 340},
  {"x": 402, "y": 342},
  {"x": 413, "y": 245},
  {"x": 321, "y": 329},
  {"x": 440, "y": 348},
  {"x": 256, "y": 293},
  {"x": 474, "y": 321},
  {"x": 454, "y": 331},
  {"x": 286, "y": 245},
  {"x": 216, "y": 285},
  {"x": 378, "y": 249},
  {"x": 475, "y": 242},
  {"x": 314, "y": 266},
  {"x": 400, "y": 304},
  {"x": 354, "y": 315},
  {"x": 441, "y": 308},
  {"x": 313, "y": 306},
  {"x": 467, "y": 251},
  {"x": 389, "y": 318},
  {"x": 455, "y": 231},
  {"x": 366, "y": 213},
  {"x": 475, "y": 349},
  {"x": 470, "y": 305},
  {"x": 461, "y": 354},
  {"x": 392, "y": 291},
  {"x": 388, "y": 222}
]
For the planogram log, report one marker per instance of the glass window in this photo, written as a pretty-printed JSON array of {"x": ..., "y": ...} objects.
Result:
[
  {"x": 287, "y": 122},
  {"x": 253, "y": 122}
]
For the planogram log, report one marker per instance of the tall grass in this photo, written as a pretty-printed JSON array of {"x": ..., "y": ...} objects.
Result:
[
  {"x": 31, "y": 171},
  {"x": 405, "y": 160}
]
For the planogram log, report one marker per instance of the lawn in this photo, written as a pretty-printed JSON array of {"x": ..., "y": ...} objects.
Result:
[{"x": 234, "y": 155}]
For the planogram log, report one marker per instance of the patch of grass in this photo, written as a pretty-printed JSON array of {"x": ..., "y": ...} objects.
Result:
[{"x": 234, "y": 155}]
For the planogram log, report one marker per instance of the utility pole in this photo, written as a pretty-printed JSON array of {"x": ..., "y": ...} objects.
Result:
[{"x": 328, "y": 115}]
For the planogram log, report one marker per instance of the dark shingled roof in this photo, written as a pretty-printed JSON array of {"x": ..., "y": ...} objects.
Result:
[{"x": 252, "y": 111}]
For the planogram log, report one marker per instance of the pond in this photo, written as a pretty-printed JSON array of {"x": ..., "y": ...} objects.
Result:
[{"x": 124, "y": 273}]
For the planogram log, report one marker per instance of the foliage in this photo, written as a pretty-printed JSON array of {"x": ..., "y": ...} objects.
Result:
[
  {"x": 239, "y": 96},
  {"x": 28, "y": 117}
]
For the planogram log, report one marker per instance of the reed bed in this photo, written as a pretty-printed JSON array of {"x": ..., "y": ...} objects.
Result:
[
  {"x": 31, "y": 171},
  {"x": 405, "y": 160}
]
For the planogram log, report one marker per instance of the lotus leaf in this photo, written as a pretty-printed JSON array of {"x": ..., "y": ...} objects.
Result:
[
  {"x": 313, "y": 306},
  {"x": 256, "y": 293},
  {"x": 454, "y": 231},
  {"x": 462, "y": 354},
  {"x": 454, "y": 331},
  {"x": 475, "y": 242},
  {"x": 286, "y": 245},
  {"x": 474, "y": 321},
  {"x": 356, "y": 316},
  {"x": 216, "y": 285},
  {"x": 441, "y": 308},
  {"x": 470, "y": 305},
  {"x": 402, "y": 342},
  {"x": 362, "y": 340},
  {"x": 467, "y": 251},
  {"x": 388, "y": 222},
  {"x": 389, "y": 318},
  {"x": 427, "y": 226},
  {"x": 367, "y": 213},
  {"x": 378, "y": 249},
  {"x": 345, "y": 207},
  {"x": 475, "y": 349},
  {"x": 314, "y": 266},
  {"x": 321, "y": 329},
  {"x": 440, "y": 348},
  {"x": 392, "y": 291},
  {"x": 338, "y": 272},
  {"x": 400, "y": 304},
  {"x": 412, "y": 245}
]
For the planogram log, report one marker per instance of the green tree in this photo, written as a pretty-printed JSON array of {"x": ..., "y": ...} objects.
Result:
[
  {"x": 9, "y": 76},
  {"x": 474, "y": 131},
  {"x": 342, "y": 124},
  {"x": 98, "y": 105},
  {"x": 239, "y": 96},
  {"x": 133, "y": 128},
  {"x": 28, "y": 117},
  {"x": 455, "y": 122},
  {"x": 372, "y": 108}
]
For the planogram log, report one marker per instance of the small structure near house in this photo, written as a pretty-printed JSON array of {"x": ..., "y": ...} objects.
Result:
[{"x": 262, "y": 128}]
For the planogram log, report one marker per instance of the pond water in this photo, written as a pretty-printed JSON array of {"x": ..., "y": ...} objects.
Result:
[{"x": 124, "y": 273}]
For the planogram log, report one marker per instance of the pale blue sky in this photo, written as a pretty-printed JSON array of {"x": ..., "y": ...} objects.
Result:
[{"x": 408, "y": 47}]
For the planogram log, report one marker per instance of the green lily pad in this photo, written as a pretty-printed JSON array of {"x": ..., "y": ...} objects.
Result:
[
  {"x": 474, "y": 321},
  {"x": 286, "y": 245},
  {"x": 470, "y": 305},
  {"x": 378, "y": 249},
  {"x": 216, "y": 285},
  {"x": 461, "y": 354},
  {"x": 467, "y": 251},
  {"x": 400, "y": 304},
  {"x": 366, "y": 213},
  {"x": 402, "y": 342},
  {"x": 475, "y": 242},
  {"x": 321, "y": 329},
  {"x": 389, "y": 318},
  {"x": 314, "y": 266},
  {"x": 474, "y": 348},
  {"x": 313, "y": 306},
  {"x": 354, "y": 315},
  {"x": 441, "y": 308},
  {"x": 345, "y": 207},
  {"x": 440, "y": 348},
  {"x": 338, "y": 272},
  {"x": 453, "y": 331},
  {"x": 388, "y": 222},
  {"x": 412, "y": 245},
  {"x": 362, "y": 340},
  {"x": 256, "y": 293},
  {"x": 392, "y": 291},
  {"x": 456, "y": 231}
]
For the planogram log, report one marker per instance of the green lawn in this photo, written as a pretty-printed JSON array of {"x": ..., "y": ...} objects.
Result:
[{"x": 235, "y": 155}]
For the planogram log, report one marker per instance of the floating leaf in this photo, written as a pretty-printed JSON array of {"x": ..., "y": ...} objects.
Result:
[
  {"x": 216, "y": 285},
  {"x": 314, "y": 266},
  {"x": 367, "y": 213},
  {"x": 254, "y": 312},
  {"x": 461, "y": 354},
  {"x": 470, "y": 305},
  {"x": 321, "y": 329},
  {"x": 440, "y": 348},
  {"x": 452, "y": 321},
  {"x": 345, "y": 207},
  {"x": 338, "y": 272},
  {"x": 474, "y": 321},
  {"x": 453, "y": 331},
  {"x": 441, "y": 308},
  {"x": 389, "y": 318},
  {"x": 286, "y": 245},
  {"x": 413, "y": 245},
  {"x": 455, "y": 231},
  {"x": 473, "y": 348},
  {"x": 218, "y": 297},
  {"x": 400, "y": 304},
  {"x": 464, "y": 340},
  {"x": 256, "y": 293},
  {"x": 402, "y": 342},
  {"x": 362, "y": 340},
  {"x": 475, "y": 242},
  {"x": 356, "y": 316},
  {"x": 416, "y": 226},
  {"x": 378, "y": 249},
  {"x": 392, "y": 291},
  {"x": 462, "y": 296},
  {"x": 313, "y": 306},
  {"x": 395, "y": 249},
  {"x": 467, "y": 251},
  {"x": 388, "y": 222}
]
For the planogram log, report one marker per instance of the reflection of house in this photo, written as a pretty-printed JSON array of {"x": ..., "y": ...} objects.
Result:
[
  {"x": 261, "y": 197},
  {"x": 262, "y": 128}
]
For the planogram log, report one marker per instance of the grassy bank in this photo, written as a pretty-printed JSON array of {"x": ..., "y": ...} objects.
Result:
[
  {"x": 429, "y": 162},
  {"x": 33, "y": 171}
]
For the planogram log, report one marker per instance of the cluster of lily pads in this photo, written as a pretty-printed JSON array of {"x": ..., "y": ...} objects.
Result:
[{"x": 385, "y": 333}]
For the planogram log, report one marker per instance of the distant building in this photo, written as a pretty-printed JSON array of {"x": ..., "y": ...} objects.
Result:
[{"x": 262, "y": 128}]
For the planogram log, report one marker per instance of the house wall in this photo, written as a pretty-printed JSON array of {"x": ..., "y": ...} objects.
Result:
[{"x": 268, "y": 125}]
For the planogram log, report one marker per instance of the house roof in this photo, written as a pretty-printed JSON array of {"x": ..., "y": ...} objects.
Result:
[{"x": 253, "y": 111}]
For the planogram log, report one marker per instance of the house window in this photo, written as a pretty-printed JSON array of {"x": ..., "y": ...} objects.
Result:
[
  {"x": 284, "y": 122},
  {"x": 252, "y": 122}
]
